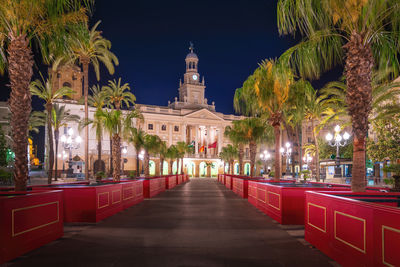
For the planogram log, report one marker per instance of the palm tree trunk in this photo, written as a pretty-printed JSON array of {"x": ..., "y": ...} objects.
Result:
[
  {"x": 181, "y": 165},
  {"x": 49, "y": 107},
  {"x": 241, "y": 156},
  {"x": 146, "y": 164},
  {"x": 99, "y": 154},
  {"x": 111, "y": 157},
  {"x": 253, "y": 152},
  {"x": 171, "y": 163},
  {"x": 85, "y": 66},
  {"x": 20, "y": 62},
  {"x": 56, "y": 136},
  {"x": 137, "y": 162},
  {"x": 116, "y": 151},
  {"x": 358, "y": 71},
  {"x": 278, "y": 162},
  {"x": 229, "y": 167},
  {"x": 317, "y": 167},
  {"x": 161, "y": 165},
  {"x": 300, "y": 147}
]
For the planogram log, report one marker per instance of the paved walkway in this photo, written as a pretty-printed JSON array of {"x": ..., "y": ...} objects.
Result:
[{"x": 200, "y": 223}]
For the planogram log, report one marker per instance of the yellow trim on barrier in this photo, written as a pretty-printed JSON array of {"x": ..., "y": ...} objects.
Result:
[
  {"x": 308, "y": 216},
  {"x": 279, "y": 201},
  {"x": 112, "y": 196},
  {"x": 133, "y": 192},
  {"x": 250, "y": 191},
  {"x": 98, "y": 200},
  {"x": 383, "y": 242},
  {"x": 36, "y": 227},
  {"x": 265, "y": 194},
  {"x": 345, "y": 242}
]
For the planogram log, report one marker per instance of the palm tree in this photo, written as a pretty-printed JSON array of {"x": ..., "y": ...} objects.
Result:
[
  {"x": 363, "y": 34},
  {"x": 97, "y": 100},
  {"x": 272, "y": 87},
  {"x": 162, "y": 151},
  {"x": 229, "y": 153},
  {"x": 60, "y": 118},
  {"x": 90, "y": 47},
  {"x": 23, "y": 24},
  {"x": 182, "y": 149},
  {"x": 116, "y": 94},
  {"x": 137, "y": 138},
  {"x": 45, "y": 92},
  {"x": 236, "y": 135},
  {"x": 150, "y": 145},
  {"x": 118, "y": 126},
  {"x": 36, "y": 120},
  {"x": 172, "y": 155}
]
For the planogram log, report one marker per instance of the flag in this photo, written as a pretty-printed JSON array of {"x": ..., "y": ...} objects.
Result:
[
  {"x": 192, "y": 144},
  {"x": 202, "y": 149},
  {"x": 213, "y": 145}
]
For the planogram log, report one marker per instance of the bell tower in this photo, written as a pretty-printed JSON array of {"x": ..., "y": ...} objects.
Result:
[
  {"x": 69, "y": 76},
  {"x": 191, "y": 91}
]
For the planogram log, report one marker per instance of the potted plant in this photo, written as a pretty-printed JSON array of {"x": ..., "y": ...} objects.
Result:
[
  {"x": 394, "y": 168},
  {"x": 305, "y": 175},
  {"x": 99, "y": 175},
  {"x": 132, "y": 174}
]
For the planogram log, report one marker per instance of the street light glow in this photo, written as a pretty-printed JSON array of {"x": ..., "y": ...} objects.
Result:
[
  {"x": 346, "y": 136},
  {"x": 78, "y": 139},
  {"x": 337, "y": 128},
  {"x": 70, "y": 131},
  {"x": 329, "y": 137}
]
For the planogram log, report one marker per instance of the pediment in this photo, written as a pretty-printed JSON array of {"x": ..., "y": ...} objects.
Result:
[{"x": 203, "y": 114}]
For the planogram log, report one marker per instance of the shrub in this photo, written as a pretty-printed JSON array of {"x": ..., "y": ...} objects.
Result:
[
  {"x": 99, "y": 175},
  {"x": 132, "y": 174},
  {"x": 395, "y": 170}
]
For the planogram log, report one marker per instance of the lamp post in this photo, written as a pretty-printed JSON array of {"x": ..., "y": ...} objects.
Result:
[
  {"x": 265, "y": 156},
  {"x": 287, "y": 153},
  {"x": 70, "y": 142},
  {"x": 337, "y": 140},
  {"x": 307, "y": 159},
  {"x": 63, "y": 156}
]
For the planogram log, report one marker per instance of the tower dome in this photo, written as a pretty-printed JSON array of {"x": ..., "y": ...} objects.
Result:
[{"x": 191, "y": 55}]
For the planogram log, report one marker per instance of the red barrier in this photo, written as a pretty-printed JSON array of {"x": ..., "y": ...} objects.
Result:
[
  {"x": 92, "y": 203},
  {"x": 29, "y": 220},
  {"x": 240, "y": 186},
  {"x": 153, "y": 186},
  {"x": 354, "y": 232},
  {"x": 170, "y": 182}
]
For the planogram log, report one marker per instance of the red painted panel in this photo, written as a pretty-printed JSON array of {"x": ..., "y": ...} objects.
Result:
[
  {"x": 351, "y": 230},
  {"x": 29, "y": 220}
]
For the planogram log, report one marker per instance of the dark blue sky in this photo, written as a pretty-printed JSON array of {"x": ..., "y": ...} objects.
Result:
[{"x": 151, "y": 40}]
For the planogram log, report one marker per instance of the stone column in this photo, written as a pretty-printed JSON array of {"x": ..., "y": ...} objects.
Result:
[
  {"x": 220, "y": 136},
  {"x": 196, "y": 150},
  {"x": 170, "y": 133},
  {"x": 208, "y": 139},
  {"x": 184, "y": 136}
]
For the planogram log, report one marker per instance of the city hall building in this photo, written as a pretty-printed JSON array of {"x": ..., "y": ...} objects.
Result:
[{"x": 191, "y": 118}]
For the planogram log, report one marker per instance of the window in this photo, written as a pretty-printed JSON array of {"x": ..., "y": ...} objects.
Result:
[
  {"x": 176, "y": 128},
  {"x": 150, "y": 126},
  {"x": 163, "y": 127},
  {"x": 310, "y": 140}
]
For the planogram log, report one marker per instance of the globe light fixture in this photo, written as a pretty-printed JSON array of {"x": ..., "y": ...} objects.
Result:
[
  {"x": 265, "y": 156},
  {"x": 287, "y": 153},
  {"x": 69, "y": 142},
  {"x": 337, "y": 140}
]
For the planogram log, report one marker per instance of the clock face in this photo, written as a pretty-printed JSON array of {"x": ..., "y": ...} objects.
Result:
[{"x": 194, "y": 77}]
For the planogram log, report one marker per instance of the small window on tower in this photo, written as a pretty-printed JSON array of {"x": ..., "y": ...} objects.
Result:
[
  {"x": 150, "y": 126},
  {"x": 67, "y": 84},
  {"x": 163, "y": 127},
  {"x": 176, "y": 128}
]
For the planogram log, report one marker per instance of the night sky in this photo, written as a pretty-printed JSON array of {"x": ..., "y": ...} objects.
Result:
[{"x": 151, "y": 40}]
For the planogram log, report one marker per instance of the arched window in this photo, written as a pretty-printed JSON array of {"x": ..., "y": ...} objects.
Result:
[{"x": 66, "y": 84}]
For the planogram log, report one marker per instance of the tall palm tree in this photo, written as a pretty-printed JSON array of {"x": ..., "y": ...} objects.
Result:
[
  {"x": 272, "y": 87},
  {"x": 183, "y": 148},
  {"x": 97, "y": 100},
  {"x": 172, "y": 155},
  {"x": 89, "y": 47},
  {"x": 229, "y": 153},
  {"x": 137, "y": 138},
  {"x": 254, "y": 131},
  {"x": 118, "y": 126},
  {"x": 23, "y": 23},
  {"x": 44, "y": 91},
  {"x": 236, "y": 135},
  {"x": 151, "y": 144},
  {"x": 60, "y": 118},
  {"x": 162, "y": 151},
  {"x": 116, "y": 94},
  {"x": 363, "y": 34}
]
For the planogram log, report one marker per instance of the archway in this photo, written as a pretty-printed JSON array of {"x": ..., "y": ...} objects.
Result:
[
  {"x": 191, "y": 168},
  {"x": 214, "y": 169},
  {"x": 152, "y": 167},
  {"x": 247, "y": 169},
  {"x": 202, "y": 169},
  {"x": 165, "y": 168},
  {"x": 175, "y": 167},
  {"x": 236, "y": 169},
  {"x": 226, "y": 164}
]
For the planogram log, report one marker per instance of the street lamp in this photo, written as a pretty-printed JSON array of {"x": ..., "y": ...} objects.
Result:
[
  {"x": 63, "y": 156},
  {"x": 69, "y": 142},
  {"x": 307, "y": 159},
  {"x": 337, "y": 140},
  {"x": 286, "y": 153},
  {"x": 265, "y": 157}
]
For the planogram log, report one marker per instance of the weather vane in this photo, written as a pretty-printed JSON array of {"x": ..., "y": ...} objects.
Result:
[{"x": 191, "y": 48}]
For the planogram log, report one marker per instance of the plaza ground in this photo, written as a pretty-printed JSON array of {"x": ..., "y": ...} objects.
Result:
[{"x": 200, "y": 223}]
